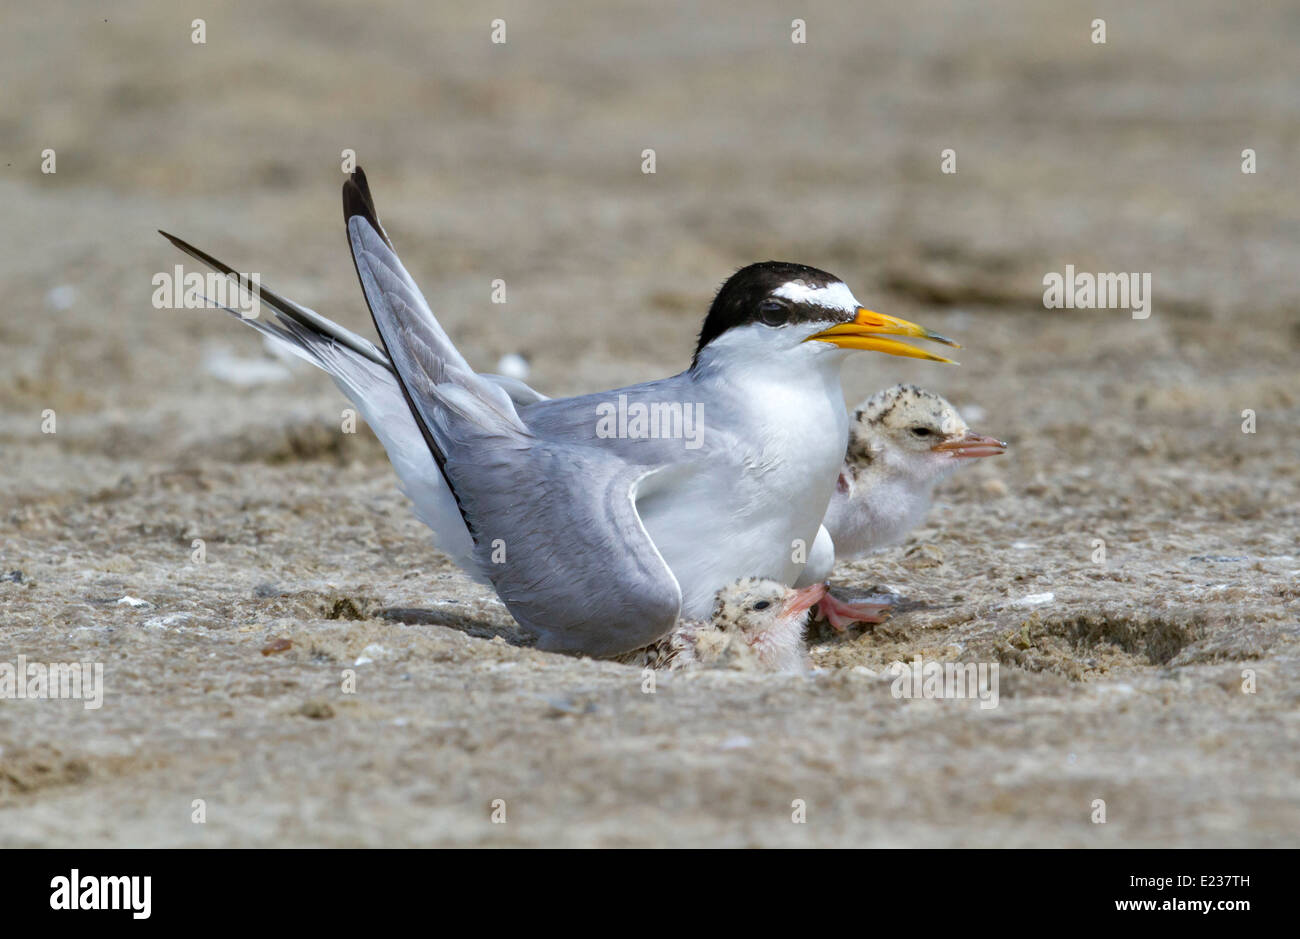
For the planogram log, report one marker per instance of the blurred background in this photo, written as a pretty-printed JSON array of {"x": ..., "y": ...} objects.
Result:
[{"x": 523, "y": 161}]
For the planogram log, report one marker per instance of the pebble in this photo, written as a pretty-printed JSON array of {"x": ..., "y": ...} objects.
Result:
[
  {"x": 513, "y": 365},
  {"x": 316, "y": 709},
  {"x": 61, "y": 297},
  {"x": 562, "y": 706},
  {"x": 277, "y": 645},
  {"x": 169, "y": 621},
  {"x": 994, "y": 488},
  {"x": 370, "y": 653},
  {"x": 923, "y": 555}
]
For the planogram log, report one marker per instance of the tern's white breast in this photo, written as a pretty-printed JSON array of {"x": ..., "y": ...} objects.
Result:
[{"x": 774, "y": 444}]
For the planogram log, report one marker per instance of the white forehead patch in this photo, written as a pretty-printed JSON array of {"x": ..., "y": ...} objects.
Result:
[{"x": 836, "y": 296}]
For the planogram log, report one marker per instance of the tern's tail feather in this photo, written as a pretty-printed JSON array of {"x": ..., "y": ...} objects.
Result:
[
  {"x": 289, "y": 312},
  {"x": 363, "y": 373}
]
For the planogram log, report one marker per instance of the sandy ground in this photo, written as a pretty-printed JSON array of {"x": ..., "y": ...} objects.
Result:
[{"x": 523, "y": 162}]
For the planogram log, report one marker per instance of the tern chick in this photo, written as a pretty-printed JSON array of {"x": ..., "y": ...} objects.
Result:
[
  {"x": 902, "y": 442},
  {"x": 756, "y": 624}
]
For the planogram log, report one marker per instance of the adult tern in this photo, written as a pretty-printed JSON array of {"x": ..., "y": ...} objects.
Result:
[{"x": 597, "y": 526}]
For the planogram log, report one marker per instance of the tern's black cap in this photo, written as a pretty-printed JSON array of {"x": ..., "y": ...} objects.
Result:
[{"x": 740, "y": 300}]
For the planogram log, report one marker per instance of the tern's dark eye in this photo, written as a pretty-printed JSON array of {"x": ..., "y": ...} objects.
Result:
[
  {"x": 921, "y": 431},
  {"x": 772, "y": 312},
  {"x": 762, "y": 604}
]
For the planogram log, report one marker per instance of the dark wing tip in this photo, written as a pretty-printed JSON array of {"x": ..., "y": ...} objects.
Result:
[
  {"x": 202, "y": 256},
  {"x": 357, "y": 201}
]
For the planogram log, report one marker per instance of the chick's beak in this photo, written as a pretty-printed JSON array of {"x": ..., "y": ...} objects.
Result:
[
  {"x": 971, "y": 446},
  {"x": 869, "y": 330},
  {"x": 804, "y": 598}
]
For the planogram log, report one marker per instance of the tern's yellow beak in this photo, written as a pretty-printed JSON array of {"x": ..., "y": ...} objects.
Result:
[{"x": 864, "y": 333}]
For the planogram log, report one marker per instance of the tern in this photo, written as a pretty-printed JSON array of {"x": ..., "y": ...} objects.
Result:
[{"x": 597, "y": 535}]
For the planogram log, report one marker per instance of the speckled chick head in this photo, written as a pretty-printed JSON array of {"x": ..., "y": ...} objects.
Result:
[
  {"x": 902, "y": 420},
  {"x": 767, "y": 619},
  {"x": 749, "y": 605}
]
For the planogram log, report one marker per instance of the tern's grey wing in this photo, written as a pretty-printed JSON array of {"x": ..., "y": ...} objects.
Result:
[
  {"x": 554, "y": 523},
  {"x": 680, "y": 428},
  {"x": 557, "y": 531},
  {"x": 520, "y": 392}
]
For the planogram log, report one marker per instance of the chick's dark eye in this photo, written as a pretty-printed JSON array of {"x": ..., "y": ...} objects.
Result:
[
  {"x": 921, "y": 431},
  {"x": 772, "y": 312},
  {"x": 762, "y": 604}
]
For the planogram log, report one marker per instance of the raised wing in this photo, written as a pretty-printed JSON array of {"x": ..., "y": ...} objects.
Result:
[{"x": 554, "y": 524}]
